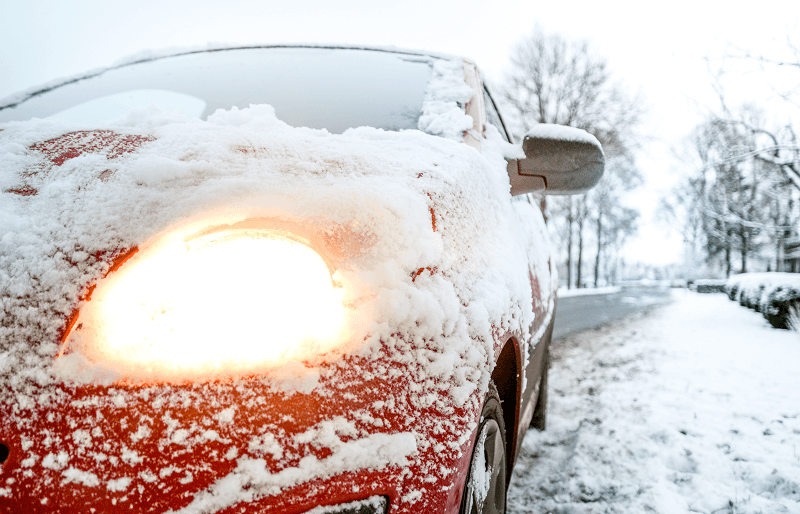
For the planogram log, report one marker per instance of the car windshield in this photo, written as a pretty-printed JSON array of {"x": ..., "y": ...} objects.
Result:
[{"x": 334, "y": 89}]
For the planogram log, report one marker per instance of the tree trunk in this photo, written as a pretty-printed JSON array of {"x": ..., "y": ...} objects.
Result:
[
  {"x": 728, "y": 253},
  {"x": 779, "y": 234},
  {"x": 599, "y": 248},
  {"x": 580, "y": 250},
  {"x": 570, "y": 221},
  {"x": 743, "y": 237}
]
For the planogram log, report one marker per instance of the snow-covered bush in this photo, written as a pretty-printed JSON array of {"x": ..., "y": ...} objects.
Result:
[
  {"x": 774, "y": 295},
  {"x": 794, "y": 318},
  {"x": 732, "y": 290},
  {"x": 779, "y": 304}
]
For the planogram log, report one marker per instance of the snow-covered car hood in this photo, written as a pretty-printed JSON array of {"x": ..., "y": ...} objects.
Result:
[{"x": 429, "y": 264}]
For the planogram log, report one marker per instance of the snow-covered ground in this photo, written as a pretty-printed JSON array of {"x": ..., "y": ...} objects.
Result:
[{"x": 694, "y": 407}]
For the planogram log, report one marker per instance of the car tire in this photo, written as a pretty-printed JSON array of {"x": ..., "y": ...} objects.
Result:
[
  {"x": 485, "y": 487},
  {"x": 539, "y": 419}
]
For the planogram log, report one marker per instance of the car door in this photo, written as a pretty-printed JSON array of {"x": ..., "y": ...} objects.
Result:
[{"x": 532, "y": 224}]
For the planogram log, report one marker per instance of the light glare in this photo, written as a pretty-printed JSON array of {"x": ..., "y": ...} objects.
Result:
[{"x": 230, "y": 305}]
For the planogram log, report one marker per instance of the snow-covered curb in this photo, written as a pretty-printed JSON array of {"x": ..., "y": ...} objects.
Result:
[{"x": 563, "y": 292}]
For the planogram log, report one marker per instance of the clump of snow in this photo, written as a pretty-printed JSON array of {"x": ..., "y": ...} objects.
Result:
[
  {"x": 443, "y": 106},
  {"x": 251, "y": 478},
  {"x": 226, "y": 415},
  {"x": 120, "y": 484},
  {"x": 6, "y": 361},
  {"x": 481, "y": 474},
  {"x": 74, "y": 475},
  {"x": 373, "y": 504},
  {"x": 266, "y": 444},
  {"x": 562, "y": 133},
  {"x": 691, "y": 409},
  {"x": 56, "y": 461},
  {"x": 412, "y": 497}
]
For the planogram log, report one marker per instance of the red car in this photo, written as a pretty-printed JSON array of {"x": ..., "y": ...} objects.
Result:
[{"x": 273, "y": 279}]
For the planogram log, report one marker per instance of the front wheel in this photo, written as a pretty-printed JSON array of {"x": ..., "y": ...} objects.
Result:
[{"x": 485, "y": 488}]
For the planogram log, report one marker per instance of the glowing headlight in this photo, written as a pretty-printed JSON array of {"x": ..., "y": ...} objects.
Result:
[{"x": 234, "y": 301}]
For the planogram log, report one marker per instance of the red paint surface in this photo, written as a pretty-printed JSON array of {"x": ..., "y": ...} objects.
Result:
[
  {"x": 51, "y": 428},
  {"x": 68, "y": 146},
  {"x": 23, "y": 191},
  {"x": 74, "y": 144}
]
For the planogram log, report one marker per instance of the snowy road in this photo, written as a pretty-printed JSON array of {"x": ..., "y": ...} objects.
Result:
[
  {"x": 580, "y": 312},
  {"x": 694, "y": 407}
]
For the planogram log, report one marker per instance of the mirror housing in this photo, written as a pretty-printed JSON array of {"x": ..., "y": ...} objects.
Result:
[{"x": 559, "y": 160}]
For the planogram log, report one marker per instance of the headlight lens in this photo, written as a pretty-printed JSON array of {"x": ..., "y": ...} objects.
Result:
[{"x": 230, "y": 302}]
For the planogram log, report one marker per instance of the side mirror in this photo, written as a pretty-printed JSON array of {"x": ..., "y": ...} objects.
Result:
[{"x": 559, "y": 160}]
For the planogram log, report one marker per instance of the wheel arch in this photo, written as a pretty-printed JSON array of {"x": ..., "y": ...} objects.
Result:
[{"x": 507, "y": 379}]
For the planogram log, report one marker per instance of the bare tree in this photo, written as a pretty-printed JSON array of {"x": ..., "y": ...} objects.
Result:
[
  {"x": 742, "y": 196},
  {"x": 776, "y": 146},
  {"x": 556, "y": 80},
  {"x": 734, "y": 202},
  {"x": 613, "y": 221},
  {"x": 582, "y": 212}
]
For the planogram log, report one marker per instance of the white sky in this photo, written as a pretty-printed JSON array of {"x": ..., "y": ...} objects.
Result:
[{"x": 656, "y": 47}]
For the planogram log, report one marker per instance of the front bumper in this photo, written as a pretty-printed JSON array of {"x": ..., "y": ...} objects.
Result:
[{"x": 367, "y": 429}]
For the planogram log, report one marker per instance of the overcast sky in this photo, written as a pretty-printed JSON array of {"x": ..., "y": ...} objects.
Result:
[{"x": 657, "y": 48}]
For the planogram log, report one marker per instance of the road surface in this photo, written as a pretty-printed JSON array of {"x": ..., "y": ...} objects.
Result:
[{"x": 576, "y": 313}]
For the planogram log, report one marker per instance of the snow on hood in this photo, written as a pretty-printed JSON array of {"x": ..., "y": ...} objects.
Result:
[{"x": 441, "y": 272}]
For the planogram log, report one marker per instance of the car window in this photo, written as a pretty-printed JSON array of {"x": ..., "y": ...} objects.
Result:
[
  {"x": 117, "y": 105},
  {"x": 492, "y": 116},
  {"x": 335, "y": 89}
]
